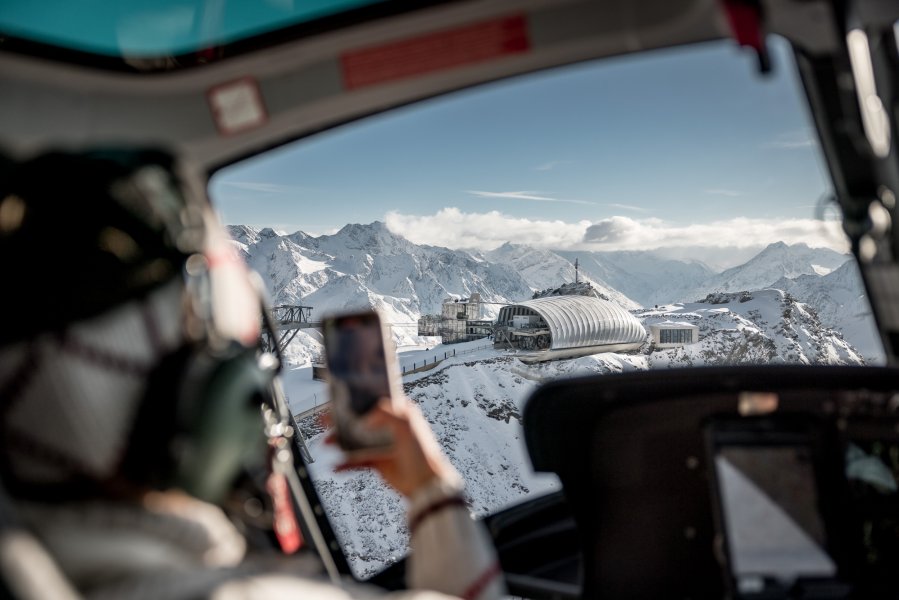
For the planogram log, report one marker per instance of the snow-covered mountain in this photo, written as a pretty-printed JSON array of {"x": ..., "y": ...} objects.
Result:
[
  {"x": 776, "y": 261},
  {"x": 826, "y": 281},
  {"x": 650, "y": 278},
  {"x": 840, "y": 302},
  {"x": 368, "y": 266},
  {"x": 764, "y": 326},
  {"x": 645, "y": 276},
  {"x": 543, "y": 269}
]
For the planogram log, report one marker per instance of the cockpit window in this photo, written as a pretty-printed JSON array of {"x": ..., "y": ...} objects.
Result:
[
  {"x": 665, "y": 210},
  {"x": 158, "y": 28}
]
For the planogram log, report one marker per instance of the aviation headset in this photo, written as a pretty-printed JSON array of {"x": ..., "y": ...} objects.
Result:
[{"x": 126, "y": 229}]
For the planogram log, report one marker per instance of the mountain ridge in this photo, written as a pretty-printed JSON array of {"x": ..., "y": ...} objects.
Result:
[{"x": 368, "y": 265}]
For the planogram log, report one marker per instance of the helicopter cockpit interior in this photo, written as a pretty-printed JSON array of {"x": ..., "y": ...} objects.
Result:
[{"x": 749, "y": 481}]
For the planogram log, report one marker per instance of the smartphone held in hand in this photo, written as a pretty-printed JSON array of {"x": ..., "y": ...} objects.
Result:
[{"x": 362, "y": 369}]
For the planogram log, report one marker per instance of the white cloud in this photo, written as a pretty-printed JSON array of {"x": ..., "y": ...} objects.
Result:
[
  {"x": 628, "y": 207},
  {"x": 724, "y": 192},
  {"x": 791, "y": 145},
  {"x": 792, "y": 140},
  {"x": 631, "y": 234},
  {"x": 534, "y": 196},
  {"x": 259, "y": 186},
  {"x": 549, "y": 166},
  {"x": 453, "y": 228}
]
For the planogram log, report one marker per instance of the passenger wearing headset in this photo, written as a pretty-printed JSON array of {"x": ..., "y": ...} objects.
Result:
[{"x": 130, "y": 392}]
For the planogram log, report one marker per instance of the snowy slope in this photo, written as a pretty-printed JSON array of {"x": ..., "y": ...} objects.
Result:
[
  {"x": 650, "y": 277},
  {"x": 762, "y": 327},
  {"x": 647, "y": 277},
  {"x": 474, "y": 403},
  {"x": 543, "y": 269},
  {"x": 474, "y": 408},
  {"x": 776, "y": 261},
  {"x": 370, "y": 261},
  {"x": 245, "y": 235},
  {"x": 368, "y": 266},
  {"x": 839, "y": 299}
]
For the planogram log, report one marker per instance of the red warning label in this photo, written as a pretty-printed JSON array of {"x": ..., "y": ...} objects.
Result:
[{"x": 435, "y": 52}]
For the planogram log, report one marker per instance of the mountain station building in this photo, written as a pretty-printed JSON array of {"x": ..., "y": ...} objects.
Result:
[
  {"x": 671, "y": 334},
  {"x": 568, "y": 326},
  {"x": 459, "y": 321}
]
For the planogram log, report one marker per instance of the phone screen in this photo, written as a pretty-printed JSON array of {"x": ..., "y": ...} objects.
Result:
[
  {"x": 359, "y": 375},
  {"x": 356, "y": 359}
]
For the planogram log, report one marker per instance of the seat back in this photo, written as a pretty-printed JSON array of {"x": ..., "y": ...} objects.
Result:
[{"x": 27, "y": 570}]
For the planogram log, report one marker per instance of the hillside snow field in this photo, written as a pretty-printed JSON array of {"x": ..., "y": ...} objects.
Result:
[
  {"x": 474, "y": 404},
  {"x": 474, "y": 407},
  {"x": 763, "y": 327},
  {"x": 840, "y": 302}
]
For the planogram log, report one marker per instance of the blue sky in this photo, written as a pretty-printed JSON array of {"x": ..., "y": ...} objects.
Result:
[{"x": 682, "y": 147}]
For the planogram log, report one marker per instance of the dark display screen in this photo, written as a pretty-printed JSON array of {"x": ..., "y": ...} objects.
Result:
[
  {"x": 773, "y": 527},
  {"x": 872, "y": 472}
]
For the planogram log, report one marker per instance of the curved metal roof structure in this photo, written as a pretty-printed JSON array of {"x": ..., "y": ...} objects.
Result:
[{"x": 582, "y": 321}]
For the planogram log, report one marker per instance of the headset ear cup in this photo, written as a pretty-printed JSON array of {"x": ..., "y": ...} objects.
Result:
[
  {"x": 150, "y": 459},
  {"x": 200, "y": 421},
  {"x": 223, "y": 430}
]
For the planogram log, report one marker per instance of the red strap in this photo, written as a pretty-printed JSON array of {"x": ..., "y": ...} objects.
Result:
[
  {"x": 480, "y": 584},
  {"x": 745, "y": 22},
  {"x": 287, "y": 529},
  {"x": 434, "y": 508},
  {"x": 745, "y": 18},
  {"x": 220, "y": 257}
]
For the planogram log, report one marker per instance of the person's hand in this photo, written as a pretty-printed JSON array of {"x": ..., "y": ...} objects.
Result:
[{"x": 414, "y": 459}]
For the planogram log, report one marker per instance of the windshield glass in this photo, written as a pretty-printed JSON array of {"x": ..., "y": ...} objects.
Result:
[
  {"x": 650, "y": 212},
  {"x": 157, "y": 28}
]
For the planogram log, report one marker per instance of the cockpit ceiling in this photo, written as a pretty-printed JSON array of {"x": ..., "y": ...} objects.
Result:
[
  {"x": 307, "y": 83},
  {"x": 305, "y": 69}
]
